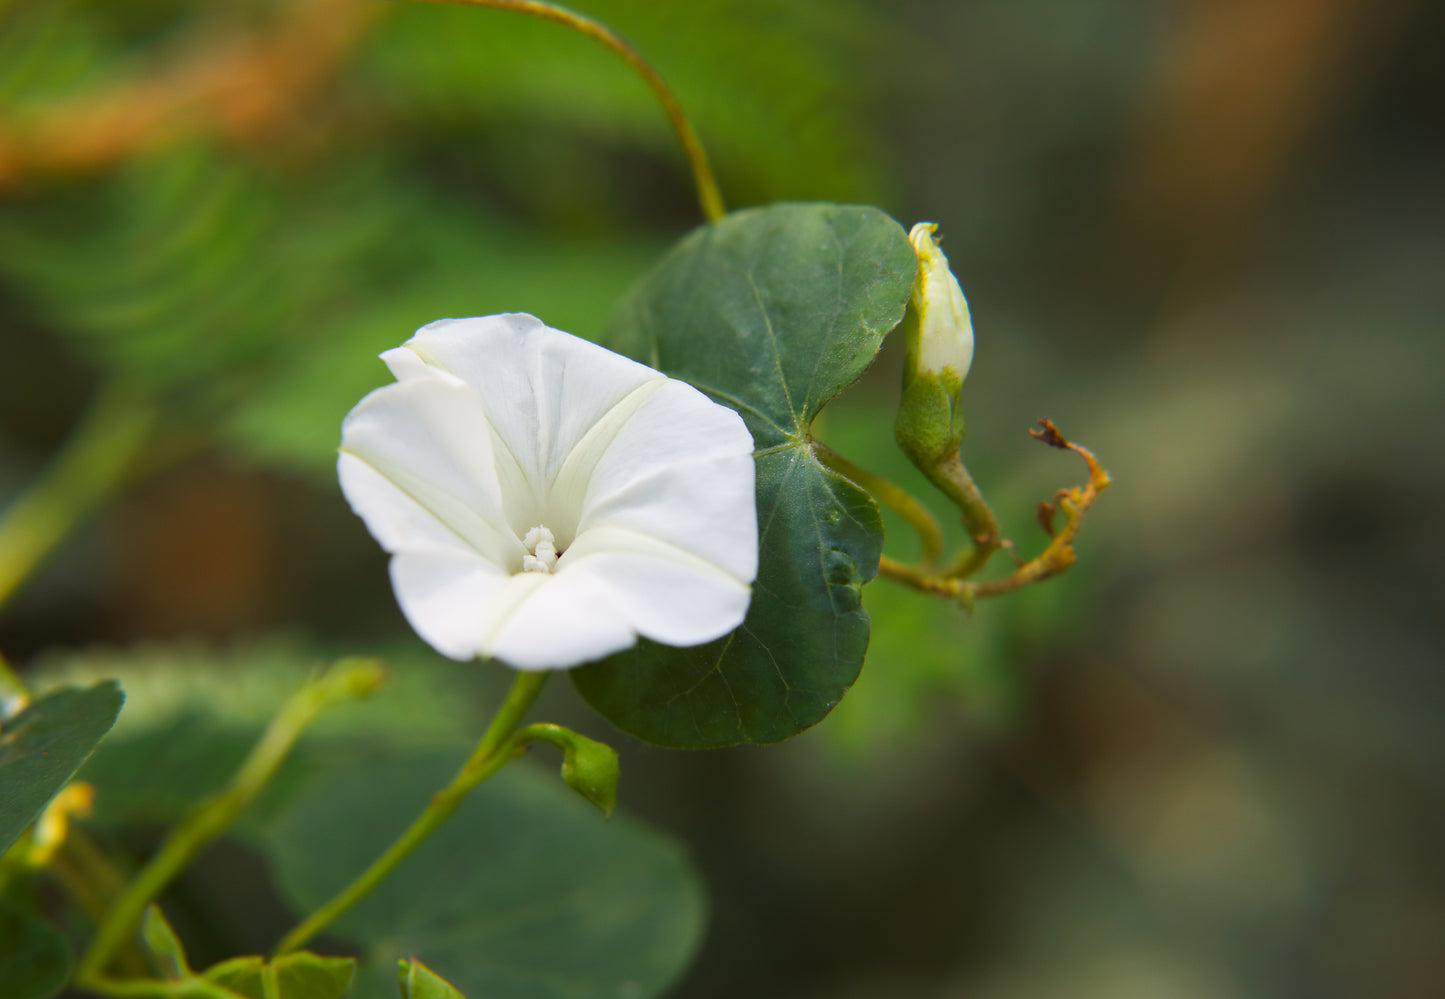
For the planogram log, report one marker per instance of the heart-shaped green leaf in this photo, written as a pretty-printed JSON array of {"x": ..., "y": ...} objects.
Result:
[
  {"x": 43, "y": 746},
  {"x": 525, "y": 893},
  {"x": 773, "y": 312}
]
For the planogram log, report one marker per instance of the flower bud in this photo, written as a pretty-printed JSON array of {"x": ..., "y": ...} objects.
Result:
[
  {"x": 938, "y": 340},
  {"x": 943, "y": 343}
]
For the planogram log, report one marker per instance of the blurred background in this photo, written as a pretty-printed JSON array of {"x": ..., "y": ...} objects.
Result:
[{"x": 1203, "y": 236}]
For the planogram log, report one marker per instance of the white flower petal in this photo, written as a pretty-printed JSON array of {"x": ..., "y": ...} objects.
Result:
[
  {"x": 403, "y": 363},
  {"x": 681, "y": 470},
  {"x": 566, "y": 619},
  {"x": 428, "y": 442},
  {"x": 444, "y": 594},
  {"x": 663, "y": 592},
  {"x": 542, "y": 389}
]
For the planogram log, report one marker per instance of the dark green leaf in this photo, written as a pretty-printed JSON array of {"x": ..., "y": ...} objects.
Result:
[
  {"x": 417, "y": 981},
  {"x": 772, "y": 312},
  {"x": 34, "y": 958},
  {"x": 43, "y": 746},
  {"x": 525, "y": 893}
]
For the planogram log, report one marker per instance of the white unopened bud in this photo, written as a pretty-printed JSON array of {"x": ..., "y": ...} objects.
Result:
[
  {"x": 938, "y": 349},
  {"x": 944, "y": 332}
]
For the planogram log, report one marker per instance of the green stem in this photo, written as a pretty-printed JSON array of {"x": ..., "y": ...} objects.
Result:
[
  {"x": 494, "y": 750},
  {"x": 346, "y": 681},
  {"x": 890, "y": 495},
  {"x": 92, "y": 462},
  {"x": 708, "y": 195}
]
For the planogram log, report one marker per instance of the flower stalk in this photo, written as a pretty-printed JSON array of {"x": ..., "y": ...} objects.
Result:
[{"x": 496, "y": 747}]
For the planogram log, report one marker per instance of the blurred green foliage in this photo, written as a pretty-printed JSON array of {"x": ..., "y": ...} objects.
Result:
[{"x": 1204, "y": 238}]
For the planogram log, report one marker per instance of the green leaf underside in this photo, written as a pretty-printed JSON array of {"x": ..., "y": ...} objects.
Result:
[
  {"x": 43, "y": 746},
  {"x": 772, "y": 312},
  {"x": 302, "y": 975},
  {"x": 525, "y": 893},
  {"x": 34, "y": 958}
]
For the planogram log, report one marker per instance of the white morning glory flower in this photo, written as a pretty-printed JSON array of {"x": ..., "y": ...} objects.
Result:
[{"x": 547, "y": 501}]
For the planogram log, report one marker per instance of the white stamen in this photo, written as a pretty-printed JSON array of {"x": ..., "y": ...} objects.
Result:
[{"x": 543, "y": 548}]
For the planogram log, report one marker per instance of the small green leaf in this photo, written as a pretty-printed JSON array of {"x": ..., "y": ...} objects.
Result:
[
  {"x": 773, "y": 312},
  {"x": 164, "y": 943},
  {"x": 34, "y": 958},
  {"x": 301, "y": 975},
  {"x": 43, "y": 746},
  {"x": 524, "y": 892},
  {"x": 417, "y": 981}
]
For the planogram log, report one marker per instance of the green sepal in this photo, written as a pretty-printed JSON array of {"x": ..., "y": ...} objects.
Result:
[
  {"x": 417, "y": 981},
  {"x": 589, "y": 767},
  {"x": 929, "y": 424}
]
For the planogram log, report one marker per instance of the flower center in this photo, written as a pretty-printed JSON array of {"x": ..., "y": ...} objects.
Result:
[{"x": 542, "y": 550}]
